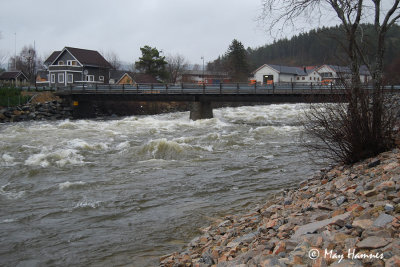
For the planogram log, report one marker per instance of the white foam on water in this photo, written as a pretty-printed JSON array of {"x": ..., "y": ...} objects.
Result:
[
  {"x": 10, "y": 194},
  {"x": 7, "y": 161},
  {"x": 59, "y": 157},
  {"x": 81, "y": 144},
  {"x": 87, "y": 204},
  {"x": 67, "y": 185},
  {"x": 9, "y": 221}
]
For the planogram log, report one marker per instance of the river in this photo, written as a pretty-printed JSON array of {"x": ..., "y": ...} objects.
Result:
[{"x": 123, "y": 192}]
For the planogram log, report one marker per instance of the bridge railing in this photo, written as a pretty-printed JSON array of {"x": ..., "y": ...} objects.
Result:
[{"x": 221, "y": 88}]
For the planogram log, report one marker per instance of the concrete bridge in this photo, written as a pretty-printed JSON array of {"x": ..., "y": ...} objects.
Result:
[{"x": 200, "y": 96}]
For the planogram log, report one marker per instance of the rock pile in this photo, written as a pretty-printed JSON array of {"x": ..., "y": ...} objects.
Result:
[
  {"x": 343, "y": 216},
  {"x": 52, "y": 110}
]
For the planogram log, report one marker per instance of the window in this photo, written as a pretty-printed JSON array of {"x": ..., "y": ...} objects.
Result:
[
  {"x": 72, "y": 63},
  {"x": 310, "y": 78},
  {"x": 303, "y": 78},
  {"x": 61, "y": 77},
  {"x": 60, "y": 62},
  {"x": 53, "y": 78},
  {"x": 70, "y": 78},
  {"x": 90, "y": 78},
  {"x": 101, "y": 78},
  {"x": 297, "y": 78}
]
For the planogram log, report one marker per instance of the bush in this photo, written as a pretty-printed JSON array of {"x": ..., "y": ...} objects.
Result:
[
  {"x": 10, "y": 96},
  {"x": 346, "y": 133}
]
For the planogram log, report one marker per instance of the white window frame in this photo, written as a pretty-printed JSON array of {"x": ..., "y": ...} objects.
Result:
[
  {"x": 53, "y": 78},
  {"x": 89, "y": 78},
  {"x": 72, "y": 78},
  {"x": 101, "y": 78},
  {"x": 71, "y": 63},
  {"x": 61, "y": 78}
]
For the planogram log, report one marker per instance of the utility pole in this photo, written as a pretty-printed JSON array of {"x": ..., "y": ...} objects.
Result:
[{"x": 203, "y": 69}]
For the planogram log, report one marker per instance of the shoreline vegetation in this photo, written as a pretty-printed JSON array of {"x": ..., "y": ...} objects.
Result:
[{"x": 345, "y": 215}]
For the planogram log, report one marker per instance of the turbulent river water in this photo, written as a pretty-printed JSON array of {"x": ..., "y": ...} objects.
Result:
[{"x": 124, "y": 192}]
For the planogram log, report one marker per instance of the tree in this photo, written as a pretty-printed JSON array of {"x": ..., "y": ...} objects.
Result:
[
  {"x": 176, "y": 65},
  {"x": 368, "y": 121},
  {"x": 113, "y": 59},
  {"x": 151, "y": 62},
  {"x": 27, "y": 62},
  {"x": 236, "y": 61}
]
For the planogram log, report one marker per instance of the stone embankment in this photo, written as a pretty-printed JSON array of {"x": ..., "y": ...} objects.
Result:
[
  {"x": 343, "y": 216},
  {"x": 51, "y": 110}
]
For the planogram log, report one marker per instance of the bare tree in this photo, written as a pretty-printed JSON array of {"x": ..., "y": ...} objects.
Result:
[
  {"x": 113, "y": 59},
  {"x": 176, "y": 65},
  {"x": 365, "y": 128}
]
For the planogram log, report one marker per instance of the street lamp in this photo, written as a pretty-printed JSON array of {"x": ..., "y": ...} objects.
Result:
[{"x": 203, "y": 69}]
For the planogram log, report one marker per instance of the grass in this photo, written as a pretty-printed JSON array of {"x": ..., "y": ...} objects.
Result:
[{"x": 10, "y": 97}]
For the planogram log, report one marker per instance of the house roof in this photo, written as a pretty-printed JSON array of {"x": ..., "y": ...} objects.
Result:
[
  {"x": 137, "y": 77},
  {"x": 284, "y": 69},
  {"x": 8, "y": 75},
  {"x": 85, "y": 57},
  {"x": 345, "y": 69},
  {"x": 289, "y": 70},
  {"x": 52, "y": 57},
  {"x": 144, "y": 78}
]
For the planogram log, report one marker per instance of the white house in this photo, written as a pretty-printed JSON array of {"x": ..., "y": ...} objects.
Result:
[
  {"x": 268, "y": 74},
  {"x": 333, "y": 73}
]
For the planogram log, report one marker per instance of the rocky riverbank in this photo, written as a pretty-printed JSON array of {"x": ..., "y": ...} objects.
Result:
[
  {"x": 51, "y": 110},
  {"x": 343, "y": 216}
]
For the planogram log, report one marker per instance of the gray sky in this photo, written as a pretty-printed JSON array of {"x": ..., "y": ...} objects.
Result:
[{"x": 191, "y": 28}]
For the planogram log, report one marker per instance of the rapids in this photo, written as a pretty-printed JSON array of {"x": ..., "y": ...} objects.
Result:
[{"x": 126, "y": 191}]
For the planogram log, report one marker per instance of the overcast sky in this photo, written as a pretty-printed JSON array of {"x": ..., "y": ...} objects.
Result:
[{"x": 191, "y": 28}]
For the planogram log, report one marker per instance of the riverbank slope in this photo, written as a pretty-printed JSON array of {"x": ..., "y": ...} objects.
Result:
[{"x": 342, "y": 216}]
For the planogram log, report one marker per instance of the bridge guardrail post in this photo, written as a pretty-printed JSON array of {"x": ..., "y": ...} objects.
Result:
[
  {"x": 273, "y": 88},
  {"x": 137, "y": 88},
  {"x": 237, "y": 88},
  {"x": 220, "y": 88},
  {"x": 151, "y": 88},
  {"x": 292, "y": 88},
  {"x": 204, "y": 88},
  {"x": 123, "y": 88},
  {"x": 166, "y": 88}
]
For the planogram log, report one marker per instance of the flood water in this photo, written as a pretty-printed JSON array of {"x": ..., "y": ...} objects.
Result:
[{"x": 124, "y": 192}]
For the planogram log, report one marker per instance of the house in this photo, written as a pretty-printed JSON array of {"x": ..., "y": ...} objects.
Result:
[
  {"x": 13, "y": 77},
  {"x": 127, "y": 77},
  {"x": 199, "y": 76},
  {"x": 333, "y": 73},
  {"x": 268, "y": 74},
  {"x": 73, "y": 66},
  {"x": 42, "y": 77}
]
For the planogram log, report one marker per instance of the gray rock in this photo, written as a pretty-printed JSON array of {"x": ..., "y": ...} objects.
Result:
[
  {"x": 389, "y": 207},
  {"x": 373, "y": 242},
  {"x": 315, "y": 226},
  {"x": 340, "y": 200},
  {"x": 383, "y": 220}
]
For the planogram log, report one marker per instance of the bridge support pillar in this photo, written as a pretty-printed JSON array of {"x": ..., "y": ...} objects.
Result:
[{"x": 200, "y": 110}]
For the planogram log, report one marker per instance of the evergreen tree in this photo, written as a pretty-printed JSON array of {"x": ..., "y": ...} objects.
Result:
[
  {"x": 236, "y": 61},
  {"x": 151, "y": 62}
]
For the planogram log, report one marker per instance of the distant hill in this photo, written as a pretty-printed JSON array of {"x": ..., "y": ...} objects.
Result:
[
  {"x": 316, "y": 47},
  {"x": 320, "y": 46}
]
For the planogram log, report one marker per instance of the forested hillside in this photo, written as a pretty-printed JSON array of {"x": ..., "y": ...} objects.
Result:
[{"x": 317, "y": 47}]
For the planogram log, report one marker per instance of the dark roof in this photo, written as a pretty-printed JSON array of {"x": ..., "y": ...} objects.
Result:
[
  {"x": 144, "y": 78},
  {"x": 52, "y": 57},
  {"x": 344, "y": 69},
  {"x": 8, "y": 75},
  {"x": 137, "y": 77},
  {"x": 84, "y": 56},
  {"x": 89, "y": 57},
  {"x": 117, "y": 74},
  {"x": 289, "y": 70}
]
